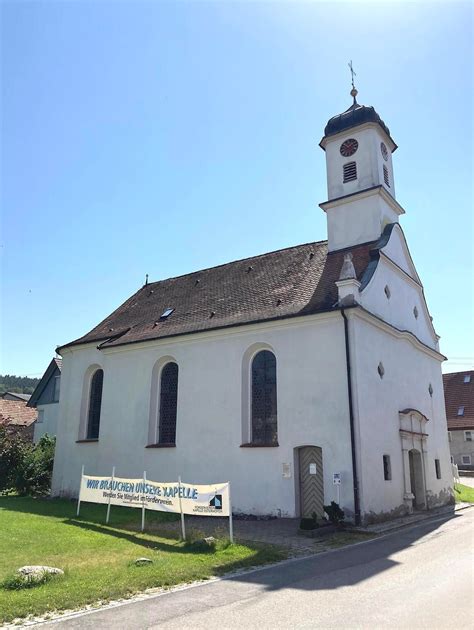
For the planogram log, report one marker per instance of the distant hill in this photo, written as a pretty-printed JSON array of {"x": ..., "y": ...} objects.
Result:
[{"x": 17, "y": 384}]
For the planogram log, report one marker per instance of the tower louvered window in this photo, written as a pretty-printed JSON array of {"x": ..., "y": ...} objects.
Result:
[
  {"x": 264, "y": 399},
  {"x": 95, "y": 403},
  {"x": 349, "y": 172},
  {"x": 385, "y": 175},
  {"x": 168, "y": 403}
]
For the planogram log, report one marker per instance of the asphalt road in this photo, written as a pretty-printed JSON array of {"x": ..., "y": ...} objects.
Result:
[{"x": 420, "y": 577}]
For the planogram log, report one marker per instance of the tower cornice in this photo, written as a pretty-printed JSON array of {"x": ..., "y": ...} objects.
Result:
[
  {"x": 366, "y": 125},
  {"x": 363, "y": 194}
]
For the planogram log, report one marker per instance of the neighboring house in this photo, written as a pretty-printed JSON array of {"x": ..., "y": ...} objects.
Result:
[
  {"x": 15, "y": 396},
  {"x": 46, "y": 398},
  {"x": 17, "y": 418},
  {"x": 279, "y": 371},
  {"x": 459, "y": 397}
]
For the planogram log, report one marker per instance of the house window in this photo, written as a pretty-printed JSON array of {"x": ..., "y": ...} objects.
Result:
[
  {"x": 95, "y": 403},
  {"x": 466, "y": 459},
  {"x": 437, "y": 469},
  {"x": 40, "y": 417},
  {"x": 385, "y": 176},
  {"x": 468, "y": 436},
  {"x": 168, "y": 403},
  {"x": 349, "y": 172},
  {"x": 57, "y": 387},
  {"x": 387, "y": 468},
  {"x": 467, "y": 378},
  {"x": 461, "y": 410},
  {"x": 264, "y": 399}
]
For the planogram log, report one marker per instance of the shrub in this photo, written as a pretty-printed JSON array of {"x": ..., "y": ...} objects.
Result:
[
  {"x": 26, "y": 468},
  {"x": 334, "y": 512},
  {"x": 309, "y": 523},
  {"x": 12, "y": 452}
]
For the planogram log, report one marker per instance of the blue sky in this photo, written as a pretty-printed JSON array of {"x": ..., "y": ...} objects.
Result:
[{"x": 161, "y": 138}]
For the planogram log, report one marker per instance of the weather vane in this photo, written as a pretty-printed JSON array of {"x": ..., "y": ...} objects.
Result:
[{"x": 353, "y": 74}]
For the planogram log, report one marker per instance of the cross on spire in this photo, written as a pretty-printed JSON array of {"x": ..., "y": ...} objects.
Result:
[{"x": 353, "y": 74}]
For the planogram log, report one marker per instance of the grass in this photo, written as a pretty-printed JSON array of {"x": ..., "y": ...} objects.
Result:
[
  {"x": 463, "y": 494},
  {"x": 98, "y": 559}
]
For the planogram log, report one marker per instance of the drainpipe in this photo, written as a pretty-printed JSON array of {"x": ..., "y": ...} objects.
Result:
[{"x": 351, "y": 421}]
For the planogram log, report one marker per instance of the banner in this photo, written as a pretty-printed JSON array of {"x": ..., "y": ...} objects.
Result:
[{"x": 210, "y": 500}]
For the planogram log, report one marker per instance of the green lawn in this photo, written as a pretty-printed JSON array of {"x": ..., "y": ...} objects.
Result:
[
  {"x": 463, "y": 493},
  {"x": 98, "y": 559}
]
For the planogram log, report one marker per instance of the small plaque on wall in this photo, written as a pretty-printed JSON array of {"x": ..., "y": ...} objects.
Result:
[{"x": 286, "y": 471}]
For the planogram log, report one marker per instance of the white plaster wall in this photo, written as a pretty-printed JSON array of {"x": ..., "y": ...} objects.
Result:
[
  {"x": 358, "y": 221},
  {"x": 397, "y": 250},
  {"x": 405, "y": 295},
  {"x": 398, "y": 310},
  {"x": 408, "y": 374},
  {"x": 312, "y": 409},
  {"x": 50, "y": 421},
  {"x": 368, "y": 158},
  {"x": 459, "y": 447}
]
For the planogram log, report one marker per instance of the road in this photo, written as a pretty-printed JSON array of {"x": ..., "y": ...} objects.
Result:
[{"x": 420, "y": 577}]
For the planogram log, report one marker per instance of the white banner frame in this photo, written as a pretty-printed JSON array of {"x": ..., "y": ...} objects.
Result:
[{"x": 173, "y": 497}]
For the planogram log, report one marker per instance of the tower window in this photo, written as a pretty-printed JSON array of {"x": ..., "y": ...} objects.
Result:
[
  {"x": 385, "y": 175},
  {"x": 350, "y": 172},
  {"x": 437, "y": 469}
]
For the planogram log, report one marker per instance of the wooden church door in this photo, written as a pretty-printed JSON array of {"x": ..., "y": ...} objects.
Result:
[{"x": 311, "y": 481}]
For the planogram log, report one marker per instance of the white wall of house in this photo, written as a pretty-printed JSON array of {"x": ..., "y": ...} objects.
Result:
[
  {"x": 49, "y": 420},
  {"x": 312, "y": 410},
  {"x": 461, "y": 446}
]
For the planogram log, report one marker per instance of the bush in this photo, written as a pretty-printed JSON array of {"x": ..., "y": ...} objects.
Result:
[
  {"x": 309, "y": 523},
  {"x": 334, "y": 512},
  {"x": 24, "y": 467},
  {"x": 12, "y": 453}
]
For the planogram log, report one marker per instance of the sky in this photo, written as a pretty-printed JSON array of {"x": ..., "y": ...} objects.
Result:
[{"x": 166, "y": 137}]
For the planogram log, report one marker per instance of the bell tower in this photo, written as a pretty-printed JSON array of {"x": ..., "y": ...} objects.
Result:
[{"x": 360, "y": 181}]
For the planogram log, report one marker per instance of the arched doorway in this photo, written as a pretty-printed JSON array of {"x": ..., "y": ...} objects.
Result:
[
  {"x": 416, "y": 479},
  {"x": 311, "y": 481}
]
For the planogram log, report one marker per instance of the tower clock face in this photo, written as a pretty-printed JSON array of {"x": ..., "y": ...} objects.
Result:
[
  {"x": 349, "y": 147},
  {"x": 384, "y": 151}
]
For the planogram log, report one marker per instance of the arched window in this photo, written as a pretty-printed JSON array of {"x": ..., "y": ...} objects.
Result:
[
  {"x": 168, "y": 403},
  {"x": 95, "y": 402},
  {"x": 264, "y": 399}
]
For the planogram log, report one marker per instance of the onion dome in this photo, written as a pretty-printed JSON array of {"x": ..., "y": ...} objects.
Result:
[{"x": 354, "y": 116}]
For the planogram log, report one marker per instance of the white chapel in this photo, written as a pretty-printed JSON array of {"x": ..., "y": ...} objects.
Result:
[{"x": 280, "y": 373}]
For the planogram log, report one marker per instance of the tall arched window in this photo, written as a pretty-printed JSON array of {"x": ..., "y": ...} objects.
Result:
[
  {"x": 264, "y": 399},
  {"x": 95, "y": 402},
  {"x": 168, "y": 403}
]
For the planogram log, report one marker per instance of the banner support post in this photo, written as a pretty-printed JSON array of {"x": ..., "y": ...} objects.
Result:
[
  {"x": 80, "y": 488},
  {"x": 143, "y": 503},
  {"x": 183, "y": 530},
  {"x": 231, "y": 524},
  {"x": 110, "y": 496}
]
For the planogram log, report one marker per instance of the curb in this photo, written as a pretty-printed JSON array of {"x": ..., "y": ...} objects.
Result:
[{"x": 155, "y": 595}]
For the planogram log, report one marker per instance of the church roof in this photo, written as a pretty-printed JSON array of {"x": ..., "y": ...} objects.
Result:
[
  {"x": 286, "y": 283},
  {"x": 352, "y": 117}
]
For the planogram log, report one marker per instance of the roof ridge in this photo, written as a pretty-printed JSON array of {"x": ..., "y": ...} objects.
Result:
[{"x": 233, "y": 262}]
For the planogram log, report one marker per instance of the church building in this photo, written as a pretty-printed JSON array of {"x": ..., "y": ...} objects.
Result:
[{"x": 285, "y": 373}]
